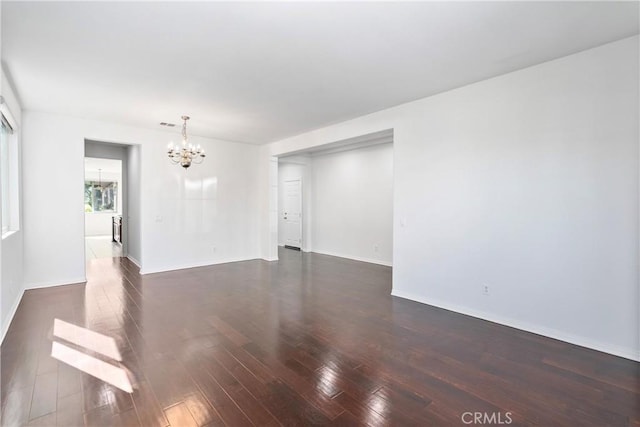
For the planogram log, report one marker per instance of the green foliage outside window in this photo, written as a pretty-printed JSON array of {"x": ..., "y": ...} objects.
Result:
[{"x": 100, "y": 196}]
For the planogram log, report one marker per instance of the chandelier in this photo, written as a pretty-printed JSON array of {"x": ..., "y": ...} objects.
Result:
[{"x": 186, "y": 153}]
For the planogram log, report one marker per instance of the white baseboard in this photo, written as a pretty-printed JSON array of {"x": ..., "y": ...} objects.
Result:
[
  {"x": 53, "y": 283},
  {"x": 12, "y": 312},
  {"x": 135, "y": 261},
  {"x": 627, "y": 353},
  {"x": 195, "y": 265},
  {"x": 355, "y": 258}
]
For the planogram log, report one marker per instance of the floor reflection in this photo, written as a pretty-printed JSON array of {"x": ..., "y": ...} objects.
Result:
[
  {"x": 101, "y": 247},
  {"x": 93, "y": 341},
  {"x": 86, "y": 338}
]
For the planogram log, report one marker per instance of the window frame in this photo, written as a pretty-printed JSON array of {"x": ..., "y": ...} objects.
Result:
[
  {"x": 9, "y": 172},
  {"x": 106, "y": 186}
]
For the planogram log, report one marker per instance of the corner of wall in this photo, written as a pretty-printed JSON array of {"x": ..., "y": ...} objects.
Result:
[
  {"x": 12, "y": 247},
  {"x": 6, "y": 322},
  {"x": 627, "y": 353}
]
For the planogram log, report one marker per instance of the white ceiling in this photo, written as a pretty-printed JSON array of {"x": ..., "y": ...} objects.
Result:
[{"x": 259, "y": 72}]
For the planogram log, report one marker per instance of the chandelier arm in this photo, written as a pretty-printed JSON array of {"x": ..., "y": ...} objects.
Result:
[{"x": 188, "y": 153}]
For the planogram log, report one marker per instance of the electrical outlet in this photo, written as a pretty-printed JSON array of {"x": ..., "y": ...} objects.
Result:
[
  {"x": 376, "y": 248},
  {"x": 485, "y": 289}
]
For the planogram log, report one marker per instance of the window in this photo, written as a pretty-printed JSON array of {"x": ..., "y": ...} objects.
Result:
[
  {"x": 4, "y": 177},
  {"x": 100, "y": 196},
  {"x": 9, "y": 163}
]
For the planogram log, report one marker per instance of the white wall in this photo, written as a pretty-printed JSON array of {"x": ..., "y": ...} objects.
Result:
[
  {"x": 11, "y": 248},
  {"x": 527, "y": 182},
  {"x": 267, "y": 181},
  {"x": 352, "y": 199},
  {"x": 185, "y": 214},
  {"x": 98, "y": 224},
  {"x": 134, "y": 251}
]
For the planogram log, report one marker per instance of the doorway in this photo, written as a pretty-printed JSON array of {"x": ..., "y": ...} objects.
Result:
[
  {"x": 112, "y": 227},
  {"x": 344, "y": 190},
  {"x": 103, "y": 207}
]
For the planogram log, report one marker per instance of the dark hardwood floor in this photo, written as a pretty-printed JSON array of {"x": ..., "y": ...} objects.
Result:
[{"x": 309, "y": 340}]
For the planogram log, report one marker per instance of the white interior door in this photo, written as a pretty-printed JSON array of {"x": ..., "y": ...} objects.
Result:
[{"x": 292, "y": 213}]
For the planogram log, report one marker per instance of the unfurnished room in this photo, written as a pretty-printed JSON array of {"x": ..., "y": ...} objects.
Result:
[{"x": 320, "y": 213}]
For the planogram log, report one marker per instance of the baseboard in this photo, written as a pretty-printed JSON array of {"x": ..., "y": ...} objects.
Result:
[
  {"x": 627, "y": 353},
  {"x": 53, "y": 283},
  {"x": 135, "y": 261},
  {"x": 12, "y": 312},
  {"x": 196, "y": 265},
  {"x": 361, "y": 259}
]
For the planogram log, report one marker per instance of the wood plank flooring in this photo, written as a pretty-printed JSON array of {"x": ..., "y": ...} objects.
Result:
[{"x": 309, "y": 340}]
